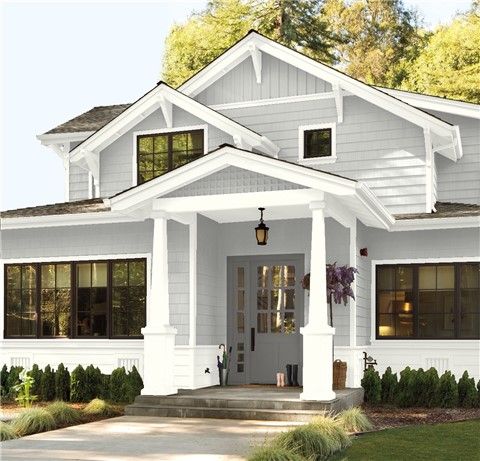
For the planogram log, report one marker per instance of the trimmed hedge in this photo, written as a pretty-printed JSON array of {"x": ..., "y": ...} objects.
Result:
[
  {"x": 48, "y": 384},
  {"x": 389, "y": 386},
  {"x": 62, "y": 383},
  {"x": 467, "y": 392},
  {"x": 372, "y": 386}
]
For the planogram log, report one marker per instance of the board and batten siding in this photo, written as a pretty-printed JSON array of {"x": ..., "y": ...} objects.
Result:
[
  {"x": 373, "y": 146},
  {"x": 279, "y": 79},
  {"x": 460, "y": 181},
  {"x": 116, "y": 160}
]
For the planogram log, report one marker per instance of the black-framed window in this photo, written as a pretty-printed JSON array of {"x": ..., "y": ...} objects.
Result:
[
  {"x": 159, "y": 153},
  {"x": 317, "y": 143},
  {"x": 428, "y": 301},
  {"x": 81, "y": 299}
]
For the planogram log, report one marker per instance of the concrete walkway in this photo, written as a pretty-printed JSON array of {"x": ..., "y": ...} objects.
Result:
[{"x": 145, "y": 438}]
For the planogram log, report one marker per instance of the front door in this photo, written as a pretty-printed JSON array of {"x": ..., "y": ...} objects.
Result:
[{"x": 267, "y": 301}]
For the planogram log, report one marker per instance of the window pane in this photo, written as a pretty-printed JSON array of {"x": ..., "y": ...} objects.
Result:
[
  {"x": 436, "y": 326},
  {"x": 160, "y": 163},
  {"x": 83, "y": 275},
  {"x": 14, "y": 277},
  {"x": 275, "y": 322},
  {"x": 276, "y": 300},
  {"x": 427, "y": 277},
  {"x": 289, "y": 299},
  {"x": 445, "y": 277},
  {"x": 29, "y": 277},
  {"x": 136, "y": 317},
  {"x": 262, "y": 299},
  {"x": 262, "y": 273},
  {"x": 470, "y": 275},
  {"x": 318, "y": 143},
  {"x": 385, "y": 278},
  {"x": 277, "y": 276},
  {"x": 386, "y": 325},
  {"x": 99, "y": 274},
  {"x": 195, "y": 141},
  {"x": 145, "y": 162},
  {"x": 290, "y": 275},
  {"x": 404, "y": 325},
  {"x": 289, "y": 322},
  {"x": 470, "y": 325},
  {"x": 404, "y": 278},
  {"x": 160, "y": 143},
  {"x": 48, "y": 276},
  {"x": 386, "y": 302},
  {"x": 136, "y": 271},
  {"x": 120, "y": 274},
  {"x": 63, "y": 276},
  {"x": 262, "y": 323},
  {"x": 120, "y": 311},
  {"x": 240, "y": 322},
  {"x": 240, "y": 277},
  {"x": 145, "y": 145},
  {"x": 240, "y": 300}
]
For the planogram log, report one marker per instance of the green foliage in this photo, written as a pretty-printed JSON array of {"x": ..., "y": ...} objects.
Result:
[
  {"x": 447, "y": 391},
  {"x": 6, "y": 431},
  {"x": 12, "y": 380},
  {"x": 119, "y": 385},
  {"x": 354, "y": 420},
  {"x": 206, "y": 34},
  {"x": 332, "y": 428},
  {"x": 307, "y": 441},
  {"x": 64, "y": 414},
  {"x": 429, "y": 395},
  {"x": 99, "y": 407},
  {"x": 135, "y": 384},
  {"x": 62, "y": 383},
  {"x": 467, "y": 392},
  {"x": 3, "y": 381},
  {"x": 36, "y": 373},
  {"x": 418, "y": 386},
  {"x": 32, "y": 421},
  {"x": 104, "y": 387},
  {"x": 23, "y": 389},
  {"x": 93, "y": 383},
  {"x": 449, "y": 65},
  {"x": 372, "y": 386},
  {"x": 273, "y": 453},
  {"x": 78, "y": 385},
  {"x": 48, "y": 384},
  {"x": 389, "y": 385},
  {"x": 405, "y": 393}
]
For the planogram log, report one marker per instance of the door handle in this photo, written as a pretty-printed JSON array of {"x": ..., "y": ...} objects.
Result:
[{"x": 252, "y": 339}]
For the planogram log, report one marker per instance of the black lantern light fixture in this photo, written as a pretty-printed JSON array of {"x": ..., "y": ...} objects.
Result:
[{"x": 261, "y": 231}]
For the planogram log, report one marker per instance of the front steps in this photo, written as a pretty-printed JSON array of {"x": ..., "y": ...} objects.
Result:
[{"x": 237, "y": 402}]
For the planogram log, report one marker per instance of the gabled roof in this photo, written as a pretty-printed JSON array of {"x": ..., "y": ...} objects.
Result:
[
  {"x": 254, "y": 43},
  {"x": 164, "y": 97}
]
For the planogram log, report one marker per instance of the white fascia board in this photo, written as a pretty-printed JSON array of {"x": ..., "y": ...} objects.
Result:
[
  {"x": 435, "y": 223},
  {"x": 464, "y": 109},
  {"x": 79, "y": 219},
  {"x": 60, "y": 138},
  {"x": 374, "y": 206}
]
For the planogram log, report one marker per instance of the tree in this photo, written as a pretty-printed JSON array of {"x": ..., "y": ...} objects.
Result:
[
  {"x": 450, "y": 65},
  {"x": 377, "y": 39},
  {"x": 206, "y": 34}
]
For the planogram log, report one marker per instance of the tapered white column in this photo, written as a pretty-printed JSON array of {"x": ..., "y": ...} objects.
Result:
[
  {"x": 159, "y": 335},
  {"x": 317, "y": 334}
]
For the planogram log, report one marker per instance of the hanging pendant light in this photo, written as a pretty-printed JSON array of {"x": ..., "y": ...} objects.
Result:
[{"x": 261, "y": 231}]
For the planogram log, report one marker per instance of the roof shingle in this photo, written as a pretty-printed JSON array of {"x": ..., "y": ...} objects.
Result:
[{"x": 445, "y": 210}]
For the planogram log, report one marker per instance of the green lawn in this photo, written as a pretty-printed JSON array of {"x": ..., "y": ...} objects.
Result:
[{"x": 440, "y": 442}]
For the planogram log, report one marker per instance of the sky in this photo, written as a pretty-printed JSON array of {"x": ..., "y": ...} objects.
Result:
[{"x": 59, "y": 59}]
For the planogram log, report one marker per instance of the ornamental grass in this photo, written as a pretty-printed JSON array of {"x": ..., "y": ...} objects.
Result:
[
  {"x": 33, "y": 421},
  {"x": 98, "y": 407},
  {"x": 354, "y": 420},
  {"x": 274, "y": 453},
  {"x": 64, "y": 414},
  {"x": 6, "y": 431}
]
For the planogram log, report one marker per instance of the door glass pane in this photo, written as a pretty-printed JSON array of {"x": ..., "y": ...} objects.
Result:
[
  {"x": 275, "y": 322},
  {"x": 262, "y": 299},
  {"x": 262, "y": 320},
  {"x": 241, "y": 300},
  {"x": 277, "y": 276},
  {"x": 289, "y": 299},
  {"x": 240, "y": 322},
  {"x": 289, "y": 322},
  {"x": 290, "y": 275},
  {"x": 241, "y": 277},
  {"x": 262, "y": 272},
  {"x": 276, "y": 300}
]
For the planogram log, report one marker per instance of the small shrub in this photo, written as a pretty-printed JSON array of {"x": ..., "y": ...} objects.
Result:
[
  {"x": 405, "y": 396},
  {"x": 104, "y": 387},
  {"x": 389, "y": 383},
  {"x": 119, "y": 385},
  {"x": 12, "y": 380},
  {"x": 447, "y": 391},
  {"x": 3, "y": 381},
  {"x": 135, "y": 384},
  {"x": 78, "y": 385},
  {"x": 36, "y": 373},
  {"x": 98, "y": 407},
  {"x": 23, "y": 389},
  {"x": 93, "y": 382},
  {"x": 62, "y": 383},
  {"x": 478, "y": 392},
  {"x": 467, "y": 392},
  {"x": 417, "y": 387},
  {"x": 307, "y": 441},
  {"x": 64, "y": 414},
  {"x": 48, "y": 384},
  {"x": 6, "y": 431},
  {"x": 354, "y": 420},
  {"x": 33, "y": 421},
  {"x": 429, "y": 395},
  {"x": 273, "y": 453},
  {"x": 372, "y": 386}
]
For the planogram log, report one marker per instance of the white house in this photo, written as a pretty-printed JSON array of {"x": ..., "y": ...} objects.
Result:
[{"x": 152, "y": 260}]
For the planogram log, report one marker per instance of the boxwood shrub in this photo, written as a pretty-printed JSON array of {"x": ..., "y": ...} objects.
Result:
[
  {"x": 447, "y": 391},
  {"x": 47, "y": 384},
  {"x": 389, "y": 385},
  {"x": 78, "y": 385},
  {"x": 467, "y": 392},
  {"x": 62, "y": 383},
  {"x": 372, "y": 386}
]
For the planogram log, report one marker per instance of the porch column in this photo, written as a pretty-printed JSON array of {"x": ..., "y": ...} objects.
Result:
[
  {"x": 317, "y": 334},
  {"x": 159, "y": 335}
]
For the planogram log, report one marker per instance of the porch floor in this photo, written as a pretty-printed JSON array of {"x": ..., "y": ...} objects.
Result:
[{"x": 242, "y": 402}]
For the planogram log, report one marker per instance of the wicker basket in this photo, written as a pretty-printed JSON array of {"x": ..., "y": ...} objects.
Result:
[{"x": 339, "y": 374}]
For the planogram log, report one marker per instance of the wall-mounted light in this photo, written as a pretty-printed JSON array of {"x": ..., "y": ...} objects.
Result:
[{"x": 261, "y": 231}]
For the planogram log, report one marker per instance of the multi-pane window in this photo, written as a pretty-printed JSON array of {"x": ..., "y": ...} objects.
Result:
[
  {"x": 317, "y": 143},
  {"x": 75, "y": 299},
  {"x": 428, "y": 301},
  {"x": 128, "y": 298},
  {"x": 56, "y": 299},
  {"x": 159, "y": 153}
]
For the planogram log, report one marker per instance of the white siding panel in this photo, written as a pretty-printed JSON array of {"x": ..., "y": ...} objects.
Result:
[{"x": 78, "y": 183}]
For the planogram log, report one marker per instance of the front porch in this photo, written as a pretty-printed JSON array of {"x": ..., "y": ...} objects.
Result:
[{"x": 252, "y": 402}]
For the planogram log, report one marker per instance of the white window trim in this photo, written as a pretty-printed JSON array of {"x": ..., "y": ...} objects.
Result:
[
  {"x": 320, "y": 160},
  {"x": 373, "y": 294},
  {"x": 163, "y": 131}
]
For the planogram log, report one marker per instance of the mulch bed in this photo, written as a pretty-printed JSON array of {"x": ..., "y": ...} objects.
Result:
[{"x": 384, "y": 417}]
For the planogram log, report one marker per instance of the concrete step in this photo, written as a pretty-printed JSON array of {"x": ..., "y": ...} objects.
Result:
[{"x": 220, "y": 413}]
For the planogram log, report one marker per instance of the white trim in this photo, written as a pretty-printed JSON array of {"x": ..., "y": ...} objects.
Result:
[
  {"x": 429, "y": 159},
  {"x": 353, "y": 302},
  {"x": 135, "y": 134},
  {"x": 273, "y": 101},
  {"x": 71, "y": 258},
  {"x": 192, "y": 280},
  {"x": 435, "y": 223},
  {"x": 373, "y": 294},
  {"x": 317, "y": 160},
  {"x": 60, "y": 138}
]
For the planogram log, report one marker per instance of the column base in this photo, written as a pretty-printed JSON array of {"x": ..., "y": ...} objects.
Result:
[
  {"x": 317, "y": 363},
  {"x": 159, "y": 360}
]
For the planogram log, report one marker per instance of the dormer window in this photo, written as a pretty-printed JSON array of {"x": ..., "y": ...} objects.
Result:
[
  {"x": 158, "y": 153},
  {"x": 317, "y": 143}
]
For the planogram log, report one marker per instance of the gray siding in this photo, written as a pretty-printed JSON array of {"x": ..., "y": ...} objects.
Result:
[
  {"x": 116, "y": 160},
  {"x": 211, "y": 318},
  {"x": 373, "y": 145},
  {"x": 460, "y": 181},
  {"x": 279, "y": 79},
  {"x": 233, "y": 180},
  {"x": 78, "y": 183}
]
